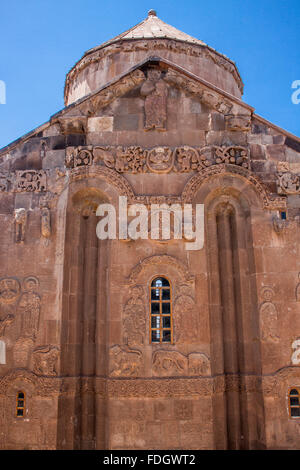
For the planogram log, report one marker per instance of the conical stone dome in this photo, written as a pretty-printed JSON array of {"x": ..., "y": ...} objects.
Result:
[{"x": 150, "y": 38}]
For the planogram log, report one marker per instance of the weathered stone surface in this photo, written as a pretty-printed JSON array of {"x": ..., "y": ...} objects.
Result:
[{"x": 160, "y": 122}]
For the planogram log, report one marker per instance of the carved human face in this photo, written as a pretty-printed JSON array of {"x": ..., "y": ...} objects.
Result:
[
  {"x": 268, "y": 294},
  {"x": 30, "y": 285},
  {"x": 153, "y": 74}
]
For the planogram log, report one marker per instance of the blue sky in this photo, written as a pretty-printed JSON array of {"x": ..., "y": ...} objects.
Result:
[{"x": 41, "y": 40}]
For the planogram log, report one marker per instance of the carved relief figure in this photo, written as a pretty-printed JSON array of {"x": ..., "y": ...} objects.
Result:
[
  {"x": 124, "y": 361},
  {"x": 160, "y": 159},
  {"x": 45, "y": 222},
  {"x": 173, "y": 363},
  {"x": 29, "y": 308},
  {"x": 268, "y": 316},
  {"x": 4, "y": 323},
  {"x": 134, "y": 322},
  {"x": 296, "y": 354},
  {"x": 169, "y": 363},
  {"x": 9, "y": 290},
  {"x": 199, "y": 364},
  {"x": 30, "y": 180},
  {"x": 298, "y": 289},
  {"x": 45, "y": 359},
  {"x": 22, "y": 351},
  {"x": 189, "y": 159},
  {"x": 186, "y": 318},
  {"x": 288, "y": 183},
  {"x": 155, "y": 91},
  {"x": 20, "y": 224}
]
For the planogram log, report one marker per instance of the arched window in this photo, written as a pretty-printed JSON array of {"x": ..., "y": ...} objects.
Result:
[
  {"x": 160, "y": 311},
  {"x": 20, "y": 408},
  {"x": 294, "y": 403}
]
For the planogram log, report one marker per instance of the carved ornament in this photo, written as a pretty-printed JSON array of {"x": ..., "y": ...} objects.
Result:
[
  {"x": 165, "y": 260},
  {"x": 173, "y": 363},
  {"x": 124, "y": 362},
  {"x": 45, "y": 360},
  {"x": 268, "y": 316},
  {"x": 23, "y": 181},
  {"x": 193, "y": 87},
  {"x": 136, "y": 159},
  {"x": 288, "y": 183}
]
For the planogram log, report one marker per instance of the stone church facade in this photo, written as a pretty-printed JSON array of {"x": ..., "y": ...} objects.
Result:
[{"x": 144, "y": 344}]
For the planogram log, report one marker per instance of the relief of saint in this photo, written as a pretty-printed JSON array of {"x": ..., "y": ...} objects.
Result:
[
  {"x": 155, "y": 91},
  {"x": 29, "y": 308}
]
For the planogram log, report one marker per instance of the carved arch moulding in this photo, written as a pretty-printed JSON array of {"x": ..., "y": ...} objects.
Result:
[
  {"x": 156, "y": 262},
  {"x": 43, "y": 386},
  {"x": 269, "y": 201},
  {"x": 110, "y": 176}
]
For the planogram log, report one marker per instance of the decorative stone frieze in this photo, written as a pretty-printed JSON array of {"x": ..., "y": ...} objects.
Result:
[
  {"x": 124, "y": 362},
  {"x": 23, "y": 181},
  {"x": 288, "y": 183},
  {"x": 173, "y": 363},
  {"x": 102, "y": 98},
  {"x": 43, "y": 386},
  {"x": 193, "y": 87},
  {"x": 136, "y": 159},
  {"x": 30, "y": 181}
]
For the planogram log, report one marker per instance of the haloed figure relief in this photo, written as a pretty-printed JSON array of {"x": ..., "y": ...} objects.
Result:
[
  {"x": 29, "y": 308},
  {"x": 155, "y": 90},
  {"x": 134, "y": 322},
  {"x": 268, "y": 316},
  {"x": 186, "y": 317}
]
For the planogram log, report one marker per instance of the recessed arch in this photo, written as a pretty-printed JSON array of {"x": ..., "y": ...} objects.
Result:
[
  {"x": 234, "y": 320},
  {"x": 222, "y": 176}
]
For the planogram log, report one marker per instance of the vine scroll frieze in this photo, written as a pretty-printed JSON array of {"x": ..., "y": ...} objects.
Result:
[{"x": 135, "y": 159}]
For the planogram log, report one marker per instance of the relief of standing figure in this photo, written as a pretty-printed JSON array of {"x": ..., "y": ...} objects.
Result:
[{"x": 155, "y": 91}]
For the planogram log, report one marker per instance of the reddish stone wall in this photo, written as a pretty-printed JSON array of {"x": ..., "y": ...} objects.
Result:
[{"x": 67, "y": 299}]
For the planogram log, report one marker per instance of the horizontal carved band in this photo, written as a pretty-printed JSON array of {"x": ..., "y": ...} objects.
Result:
[
  {"x": 106, "y": 387},
  {"x": 136, "y": 159},
  {"x": 23, "y": 181}
]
